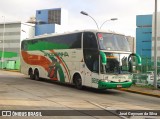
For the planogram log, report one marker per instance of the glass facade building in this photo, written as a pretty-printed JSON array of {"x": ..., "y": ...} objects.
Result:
[
  {"x": 144, "y": 35},
  {"x": 51, "y": 21}
]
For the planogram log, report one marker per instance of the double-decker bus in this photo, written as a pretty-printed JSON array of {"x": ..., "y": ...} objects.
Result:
[{"x": 91, "y": 58}]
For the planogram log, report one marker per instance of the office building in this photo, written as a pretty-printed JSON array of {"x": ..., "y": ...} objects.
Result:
[
  {"x": 144, "y": 35},
  {"x": 51, "y": 21},
  {"x": 11, "y": 35}
]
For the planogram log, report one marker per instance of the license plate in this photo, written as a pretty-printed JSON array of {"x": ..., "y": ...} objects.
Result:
[{"x": 119, "y": 86}]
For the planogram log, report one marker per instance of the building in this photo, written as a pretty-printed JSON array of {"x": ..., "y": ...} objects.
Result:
[
  {"x": 11, "y": 35},
  {"x": 144, "y": 35},
  {"x": 132, "y": 43},
  {"x": 51, "y": 21}
]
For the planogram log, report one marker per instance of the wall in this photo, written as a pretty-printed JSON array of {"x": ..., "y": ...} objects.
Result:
[
  {"x": 11, "y": 37},
  {"x": 144, "y": 20},
  {"x": 144, "y": 41},
  {"x": 42, "y": 16},
  {"x": 44, "y": 29},
  {"x": 27, "y": 30}
]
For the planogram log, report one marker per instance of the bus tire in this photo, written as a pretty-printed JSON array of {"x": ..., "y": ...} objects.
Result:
[
  {"x": 78, "y": 82},
  {"x": 31, "y": 75},
  {"x": 36, "y": 75}
]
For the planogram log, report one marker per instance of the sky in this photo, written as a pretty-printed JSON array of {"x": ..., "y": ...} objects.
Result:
[{"x": 100, "y": 10}]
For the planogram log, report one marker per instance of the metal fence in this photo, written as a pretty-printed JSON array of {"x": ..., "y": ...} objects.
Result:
[{"x": 148, "y": 65}]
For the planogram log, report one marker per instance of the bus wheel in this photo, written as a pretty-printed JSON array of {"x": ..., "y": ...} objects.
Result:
[
  {"x": 78, "y": 82},
  {"x": 31, "y": 75},
  {"x": 36, "y": 75}
]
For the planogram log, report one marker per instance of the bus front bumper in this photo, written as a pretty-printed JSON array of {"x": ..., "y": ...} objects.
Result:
[{"x": 111, "y": 85}]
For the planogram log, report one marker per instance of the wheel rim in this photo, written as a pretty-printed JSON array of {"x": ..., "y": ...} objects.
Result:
[
  {"x": 36, "y": 76},
  {"x": 31, "y": 75}
]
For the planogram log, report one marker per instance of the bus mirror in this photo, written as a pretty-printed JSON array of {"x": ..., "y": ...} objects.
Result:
[
  {"x": 103, "y": 57},
  {"x": 139, "y": 59},
  {"x": 137, "y": 56}
]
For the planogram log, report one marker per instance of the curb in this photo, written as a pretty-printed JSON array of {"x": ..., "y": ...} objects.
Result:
[
  {"x": 10, "y": 70},
  {"x": 140, "y": 92}
]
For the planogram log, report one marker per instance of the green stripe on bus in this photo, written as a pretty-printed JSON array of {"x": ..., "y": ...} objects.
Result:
[
  {"x": 109, "y": 85},
  {"x": 67, "y": 68},
  {"x": 61, "y": 74},
  {"x": 45, "y": 45}
]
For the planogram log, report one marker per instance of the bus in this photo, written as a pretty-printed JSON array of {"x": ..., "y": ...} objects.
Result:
[{"x": 91, "y": 58}]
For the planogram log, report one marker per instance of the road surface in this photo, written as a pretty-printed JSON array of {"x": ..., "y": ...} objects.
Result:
[{"x": 18, "y": 92}]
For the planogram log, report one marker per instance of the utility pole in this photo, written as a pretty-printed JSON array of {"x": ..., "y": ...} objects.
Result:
[
  {"x": 2, "y": 58},
  {"x": 155, "y": 46}
]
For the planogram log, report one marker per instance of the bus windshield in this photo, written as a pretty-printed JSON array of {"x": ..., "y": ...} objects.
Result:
[
  {"x": 117, "y": 63},
  {"x": 113, "y": 42}
]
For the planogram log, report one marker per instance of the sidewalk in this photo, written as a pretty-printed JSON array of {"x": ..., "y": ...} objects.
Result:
[
  {"x": 11, "y": 70},
  {"x": 143, "y": 90}
]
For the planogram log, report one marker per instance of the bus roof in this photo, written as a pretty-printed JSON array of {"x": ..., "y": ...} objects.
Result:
[{"x": 65, "y": 33}]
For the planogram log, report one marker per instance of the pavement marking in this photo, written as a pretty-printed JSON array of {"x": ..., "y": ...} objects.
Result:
[{"x": 113, "y": 111}]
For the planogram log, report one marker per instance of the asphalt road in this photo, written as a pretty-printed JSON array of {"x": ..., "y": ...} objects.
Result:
[{"x": 18, "y": 92}]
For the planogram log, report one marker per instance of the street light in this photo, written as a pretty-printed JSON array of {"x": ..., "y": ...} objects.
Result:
[
  {"x": 112, "y": 19},
  {"x": 84, "y": 13},
  {"x": 2, "y": 58}
]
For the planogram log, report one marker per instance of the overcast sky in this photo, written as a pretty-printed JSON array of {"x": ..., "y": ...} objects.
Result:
[{"x": 100, "y": 10}]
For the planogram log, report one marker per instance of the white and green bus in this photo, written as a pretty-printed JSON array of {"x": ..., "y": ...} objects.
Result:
[{"x": 91, "y": 58}]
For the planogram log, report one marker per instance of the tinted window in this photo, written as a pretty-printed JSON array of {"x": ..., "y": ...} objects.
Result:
[
  {"x": 90, "y": 51},
  {"x": 68, "y": 41},
  {"x": 89, "y": 41},
  {"x": 91, "y": 59}
]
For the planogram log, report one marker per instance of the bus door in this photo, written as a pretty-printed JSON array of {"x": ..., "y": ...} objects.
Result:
[
  {"x": 91, "y": 69},
  {"x": 90, "y": 51}
]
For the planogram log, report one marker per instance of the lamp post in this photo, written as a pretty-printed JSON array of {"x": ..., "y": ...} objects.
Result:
[
  {"x": 84, "y": 13},
  {"x": 112, "y": 19},
  {"x": 2, "y": 58},
  {"x": 155, "y": 46}
]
